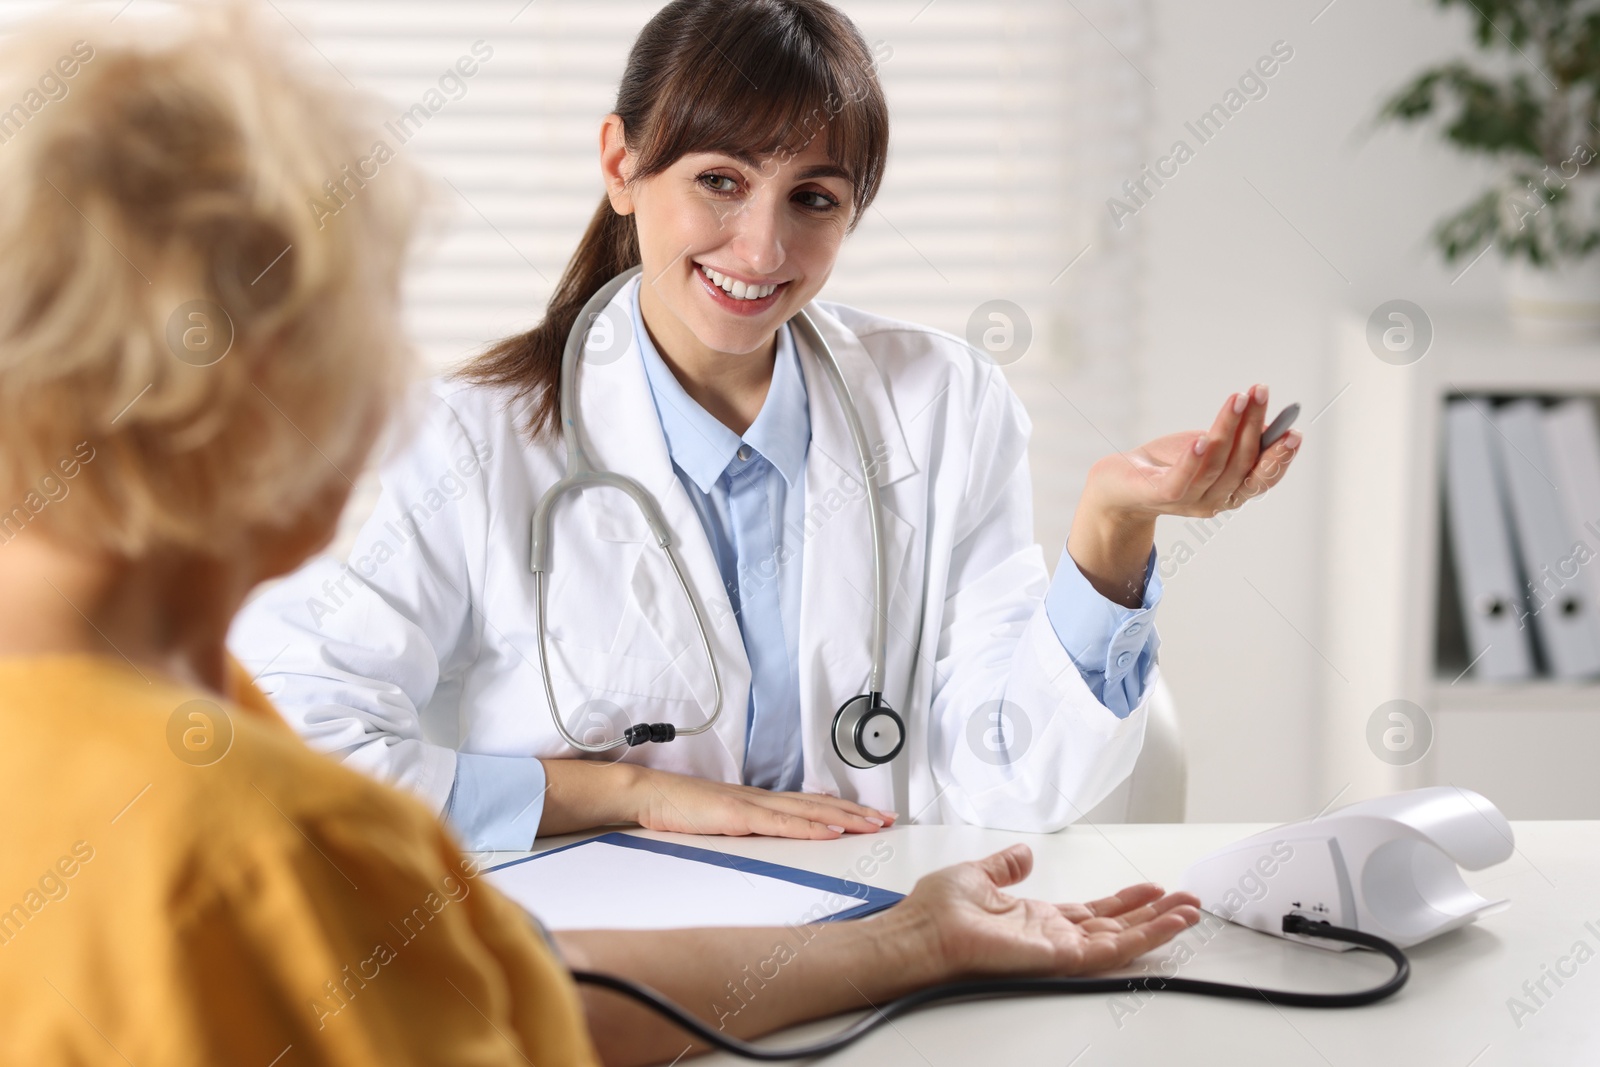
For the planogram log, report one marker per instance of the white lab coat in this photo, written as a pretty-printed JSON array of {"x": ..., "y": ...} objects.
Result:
[{"x": 424, "y": 643}]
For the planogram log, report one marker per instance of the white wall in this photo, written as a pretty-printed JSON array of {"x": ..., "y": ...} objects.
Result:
[{"x": 1232, "y": 294}]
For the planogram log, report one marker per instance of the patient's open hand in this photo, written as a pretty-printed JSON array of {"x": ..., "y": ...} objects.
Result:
[{"x": 977, "y": 929}]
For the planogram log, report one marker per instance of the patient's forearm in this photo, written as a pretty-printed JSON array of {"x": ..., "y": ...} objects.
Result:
[{"x": 748, "y": 981}]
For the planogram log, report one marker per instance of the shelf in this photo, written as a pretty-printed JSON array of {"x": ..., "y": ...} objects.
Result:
[
  {"x": 1538, "y": 695},
  {"x": 1480, "y": 353}
]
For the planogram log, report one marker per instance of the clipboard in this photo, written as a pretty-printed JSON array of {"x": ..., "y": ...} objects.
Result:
[{"x": 623, "y": 882}]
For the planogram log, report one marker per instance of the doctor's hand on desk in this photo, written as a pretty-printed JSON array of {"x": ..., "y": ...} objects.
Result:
[
  {"x": 583, "y": 794},
  {"x": 1192, "y": 473},
  {"x": 957, "y": 924}
]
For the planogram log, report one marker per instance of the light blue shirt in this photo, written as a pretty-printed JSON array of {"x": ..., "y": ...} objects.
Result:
[{"x": 749, "y": 493}]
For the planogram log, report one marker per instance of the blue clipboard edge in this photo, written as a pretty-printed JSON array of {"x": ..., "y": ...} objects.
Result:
[{"x": 872, "y": 898}]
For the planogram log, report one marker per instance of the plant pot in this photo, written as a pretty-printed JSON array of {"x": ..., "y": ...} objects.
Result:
[{"x": 1559, "y": 302}]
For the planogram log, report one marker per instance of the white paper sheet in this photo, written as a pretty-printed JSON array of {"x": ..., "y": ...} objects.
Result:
[{"x": 597, "y": 885}]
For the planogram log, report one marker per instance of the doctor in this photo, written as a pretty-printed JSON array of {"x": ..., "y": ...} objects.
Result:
[{"x": 1022, "y": 698}]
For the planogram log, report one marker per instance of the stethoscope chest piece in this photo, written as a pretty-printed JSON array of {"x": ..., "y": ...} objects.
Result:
[{"x": 867, "y": 731}]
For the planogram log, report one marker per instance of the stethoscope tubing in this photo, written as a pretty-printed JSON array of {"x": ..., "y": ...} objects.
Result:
[{"x": 581, "y": 474}]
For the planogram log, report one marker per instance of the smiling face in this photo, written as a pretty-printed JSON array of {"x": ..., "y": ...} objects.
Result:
[{"x": 731, "y": 246}]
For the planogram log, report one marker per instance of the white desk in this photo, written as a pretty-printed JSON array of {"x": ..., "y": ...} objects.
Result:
[{"x": 1453, "y": 1012}]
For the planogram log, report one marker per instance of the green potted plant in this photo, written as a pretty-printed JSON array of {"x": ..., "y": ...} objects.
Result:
[{"x": 1541, "y": 124}]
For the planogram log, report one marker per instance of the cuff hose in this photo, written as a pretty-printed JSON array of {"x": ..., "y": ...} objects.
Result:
[{"x": 986, "y": 988}]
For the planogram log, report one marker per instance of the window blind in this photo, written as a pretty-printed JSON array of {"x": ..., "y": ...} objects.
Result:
[{"x": 972, "y": 208}]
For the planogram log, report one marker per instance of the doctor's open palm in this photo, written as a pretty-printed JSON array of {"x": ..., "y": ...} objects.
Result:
[
  {"x": 1196, "y": 473},
  {"x": 1190, "y": 473}
]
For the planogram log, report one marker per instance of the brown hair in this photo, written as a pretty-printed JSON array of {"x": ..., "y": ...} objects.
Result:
[{"x": 745, "y": 77}]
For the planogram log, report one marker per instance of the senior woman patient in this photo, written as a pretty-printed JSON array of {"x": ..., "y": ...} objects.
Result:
[{"x": 192, "y": 369}]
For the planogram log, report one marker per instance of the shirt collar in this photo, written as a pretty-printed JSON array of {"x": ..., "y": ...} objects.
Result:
[{"x": 702, "y": 446}]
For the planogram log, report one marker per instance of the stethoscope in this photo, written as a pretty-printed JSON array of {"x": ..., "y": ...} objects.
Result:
[{"x": 866, "y": 730}]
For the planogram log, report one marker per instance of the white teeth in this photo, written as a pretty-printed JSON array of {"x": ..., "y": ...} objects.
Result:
[{"x": 737, "y": 289}]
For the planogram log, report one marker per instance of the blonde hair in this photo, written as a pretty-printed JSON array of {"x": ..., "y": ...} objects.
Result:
[{"x": 159, "y": 170}]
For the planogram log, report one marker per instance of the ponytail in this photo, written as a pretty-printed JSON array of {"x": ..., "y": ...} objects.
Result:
[{"x": 531, "y": 362}]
